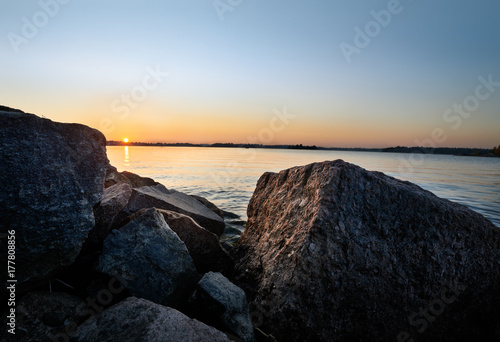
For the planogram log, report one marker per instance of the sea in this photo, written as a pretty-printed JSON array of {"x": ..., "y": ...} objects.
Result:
[{"x": 228, "y": 176}]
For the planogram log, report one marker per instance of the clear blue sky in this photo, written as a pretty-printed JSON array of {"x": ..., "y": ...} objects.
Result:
[{"x": 227, "y": 77}]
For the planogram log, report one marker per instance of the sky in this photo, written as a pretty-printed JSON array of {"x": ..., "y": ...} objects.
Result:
[{"x": 337, "y": 73}]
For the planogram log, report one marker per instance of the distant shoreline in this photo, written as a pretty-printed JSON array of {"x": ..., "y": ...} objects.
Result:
[{"x": 456, "y": 151}]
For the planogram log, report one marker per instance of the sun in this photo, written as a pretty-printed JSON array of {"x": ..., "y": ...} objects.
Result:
[{"x": 125, "y": 140}]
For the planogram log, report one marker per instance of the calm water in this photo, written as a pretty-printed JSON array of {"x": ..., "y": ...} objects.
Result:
[{"x": 227, "y": 176}]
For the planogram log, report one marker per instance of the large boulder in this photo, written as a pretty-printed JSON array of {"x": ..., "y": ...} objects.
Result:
[
  {"x": 332, "y": 252},
  {"x": 153, "y": 262},
  {"x": 203, "y": 246},
  {"x": 143, "y": 321},
  {"x": 162, "y": 198},
  {"x": 52, "y": 175},
  {"x": 220, "y": 303}
]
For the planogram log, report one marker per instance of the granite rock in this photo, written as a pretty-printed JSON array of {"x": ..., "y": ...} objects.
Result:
[
  {"x": 153, "y": 262},
  {"x": 52, "y": 175},
  {"x": 333, "y": 252}
]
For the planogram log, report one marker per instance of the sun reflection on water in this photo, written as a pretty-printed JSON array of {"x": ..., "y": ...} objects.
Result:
[{"x": 126, "y": 162}]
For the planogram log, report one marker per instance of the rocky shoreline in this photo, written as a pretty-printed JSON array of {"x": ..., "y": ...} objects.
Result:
[{"x": 330, "y": 252}]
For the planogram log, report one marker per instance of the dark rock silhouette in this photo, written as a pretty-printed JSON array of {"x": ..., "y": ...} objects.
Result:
[
  {"x": 43, "y": 315},
  {"x": 137, "y": 319},
  {"x": 52, "y": 175},
  {"x": 333, "y": 252}
]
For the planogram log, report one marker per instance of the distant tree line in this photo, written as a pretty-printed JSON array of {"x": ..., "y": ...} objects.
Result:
[
  {"x": 496, "y": 151},
  {"x": 459, "y": 151}
]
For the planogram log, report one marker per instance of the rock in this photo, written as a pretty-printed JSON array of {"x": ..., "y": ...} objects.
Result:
[
  {"x": 114, "y": 199},
  {"x": 43, "y": 316},
  {"x": 209, "y": 205},
  {"x": 52, "y": 175},
  {"x": 162, "y": 198},
  {"x": 141, "y": 320},
  {"x": 219, "y": 302},
  {"x": 153, "y": 262},
  {"x": 332, "y": 252},
  {"x": 137, "y": 181},
  {"x": 114, "y": 177},
  {"x": 8, "y": 109},
  {"x": 203, "y": 246},
  {"x": 230, "y": 215}
]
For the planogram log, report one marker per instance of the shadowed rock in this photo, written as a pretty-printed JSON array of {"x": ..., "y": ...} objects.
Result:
[
  {"x": 203, "y": 246},
  {"x": 153, "y": 262},
  {"x": 52, "y": 175},
  {"x": 332, "y": 252},
  {"x": 162, "y": 198},
  {"x": 114, "y": 199},
  {"x": 141, "y": 320},
  {"x": 219, "y": 302},
  {"x": 8, "y": 109},
  {"x": 43, "y": 316}
]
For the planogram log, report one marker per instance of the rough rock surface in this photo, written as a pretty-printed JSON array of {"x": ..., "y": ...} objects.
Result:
[
  {"x": 114, "y": 177},
  {"x": 332, "y": 252},
  {"x": 140, "y": 320},
  {"x": 209, "y": 205},
  {"x": 203, "y": 246},
  {"x": 153, "y": 262},
  {"x": 43, "y": 316},
  {"x": 51, "y": 174},
  {"x": 162, "y": 198},
  {"x": 114, "y": 199},
  {"x": 219, "y": 302}
]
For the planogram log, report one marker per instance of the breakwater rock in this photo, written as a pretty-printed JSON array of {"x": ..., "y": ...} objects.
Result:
[
  {"x": 333, "y": 252},
  {"x": 52, "y": 175}
]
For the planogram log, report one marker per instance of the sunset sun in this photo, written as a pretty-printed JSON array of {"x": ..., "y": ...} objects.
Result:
[{"x": 125, "y": 140}]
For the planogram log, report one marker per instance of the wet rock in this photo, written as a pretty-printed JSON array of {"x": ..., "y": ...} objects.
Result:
[
  {"x": 219, "y": 302},
  {"x": 162, "y": 198},
  {"x": 203, "y": 246},
  {"x": 153, "y": 262},
  {"x": 332, "y": 252},
  {"x": 141, "y": 320},
  {"x": 52, "y": 175}
]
